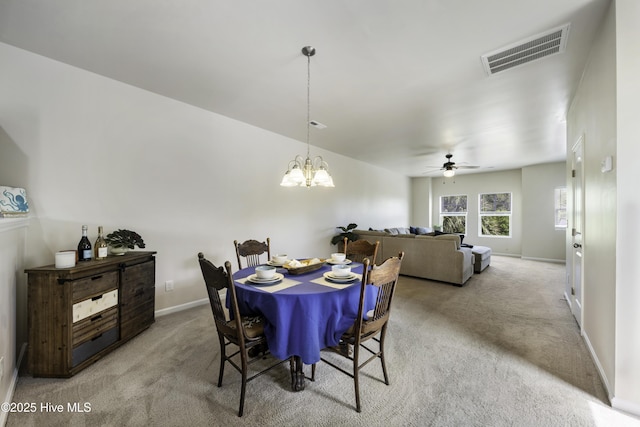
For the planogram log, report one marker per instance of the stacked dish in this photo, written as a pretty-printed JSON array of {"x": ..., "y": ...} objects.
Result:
[
  {"x": 332, "y": 277},
  {"x": 255, "y": 280}
]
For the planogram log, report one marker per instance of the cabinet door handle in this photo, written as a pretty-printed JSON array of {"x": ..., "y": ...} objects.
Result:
[
  {"x": 98, "y": 317},
  {"x": 95, "y": 338},
  {"x": 96, "y": 277},
  {"x": 96, "y": 298}
]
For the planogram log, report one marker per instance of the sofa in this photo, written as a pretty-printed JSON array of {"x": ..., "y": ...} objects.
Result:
[{"x": 426, "y": 256}]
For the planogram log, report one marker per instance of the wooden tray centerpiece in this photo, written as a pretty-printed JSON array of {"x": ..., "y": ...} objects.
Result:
[{"x": 304, "y": 265}]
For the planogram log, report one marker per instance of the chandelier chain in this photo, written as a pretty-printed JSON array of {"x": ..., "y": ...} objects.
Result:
[{"x": 308, "y": 103}]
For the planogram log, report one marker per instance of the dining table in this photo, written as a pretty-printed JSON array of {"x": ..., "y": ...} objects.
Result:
[{"x": 303, "y": 313}]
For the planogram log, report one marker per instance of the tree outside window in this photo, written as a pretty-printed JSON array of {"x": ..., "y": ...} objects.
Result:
[
  {"x": 453, "y": 214},
  {"x": 495, "y": 214}
]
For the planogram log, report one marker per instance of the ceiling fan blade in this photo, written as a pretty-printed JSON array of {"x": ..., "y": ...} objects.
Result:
[
  {"x": 431, "y": 171},
  {"x": 467, "y": 167}
]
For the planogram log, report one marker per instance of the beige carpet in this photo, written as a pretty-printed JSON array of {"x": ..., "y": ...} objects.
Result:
[{"x": 503, "y": 350}]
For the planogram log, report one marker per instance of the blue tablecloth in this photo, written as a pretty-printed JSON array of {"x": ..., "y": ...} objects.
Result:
[{"x": 304, "y": 318}]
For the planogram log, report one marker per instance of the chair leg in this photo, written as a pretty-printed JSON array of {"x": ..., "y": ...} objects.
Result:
[
  {"x": 243, "y": 387},
  {"x": 382, "y": 359},
  {"x": 223, "y": 359},
  {"x": 313, "y": 372},
  {"x": 242, "y": 392},
  {"x": 356, "y": 375}
]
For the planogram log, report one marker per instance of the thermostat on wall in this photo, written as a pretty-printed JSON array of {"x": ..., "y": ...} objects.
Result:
[{"x": 606, "y": 165}]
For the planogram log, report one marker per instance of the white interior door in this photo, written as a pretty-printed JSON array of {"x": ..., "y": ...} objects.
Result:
[{"x": 576, "y": 232}]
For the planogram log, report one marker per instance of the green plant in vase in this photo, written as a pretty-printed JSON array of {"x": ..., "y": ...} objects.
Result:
[
  {"x": 346, "y": 232},
  {"x": 123, "y": 240}
]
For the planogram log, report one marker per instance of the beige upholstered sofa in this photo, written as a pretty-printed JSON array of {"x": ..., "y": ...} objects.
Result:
[{"x": 430, "y": 257}]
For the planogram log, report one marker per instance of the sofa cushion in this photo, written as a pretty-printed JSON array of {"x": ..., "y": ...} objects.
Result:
[
  {"x": 453, "y": 237},
  {"x": 423, "y": 230},
  {"x": 397, "y": 230},
  {"x": 370, "y": 232},
  {"x": 405, "y": 236}
]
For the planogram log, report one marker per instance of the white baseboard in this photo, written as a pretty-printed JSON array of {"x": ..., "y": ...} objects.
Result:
[
  {"x": 181, "y": 307},
  {"x": 506, "y": 254},
  {"x": 626, "y": 406},
  {"x": 567, "y": 299},
  {"x": 603, "y": 377},
  {"x": 12, "y": 386},
  {"x": 557, "y": 261}
]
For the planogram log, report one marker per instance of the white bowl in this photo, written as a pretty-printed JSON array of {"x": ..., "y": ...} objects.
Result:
[
  {"x": 341, "y": 270},
  {"x": 265, "y": 271},
  {"x": 338, "y": 257},
  {"x": 280, "y": 258}
]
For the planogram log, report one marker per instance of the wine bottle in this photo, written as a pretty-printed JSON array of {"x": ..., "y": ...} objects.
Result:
[
  {"x": 101, "y": 245},
  {"x": 84, "y": 247}
]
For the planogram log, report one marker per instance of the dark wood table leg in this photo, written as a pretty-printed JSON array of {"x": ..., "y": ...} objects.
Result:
[{"x": 297, "y": 374}]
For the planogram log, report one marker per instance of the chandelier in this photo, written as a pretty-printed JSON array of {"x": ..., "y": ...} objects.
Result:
[{"x": 305, "y": 172}]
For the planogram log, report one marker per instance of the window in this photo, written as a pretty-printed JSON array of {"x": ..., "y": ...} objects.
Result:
[
  {"x": 453, "y": 214},
  {"x": 560, "y": 205},
  {"x": 495, "y": 214}
]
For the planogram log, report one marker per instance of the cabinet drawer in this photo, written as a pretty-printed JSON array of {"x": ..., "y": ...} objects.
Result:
[
  {"x": 94, "y": 285},
  {"x": 93, "y": 306},
  {"x": 92, "y": 327},
  {"x": 93, "y": 346}
]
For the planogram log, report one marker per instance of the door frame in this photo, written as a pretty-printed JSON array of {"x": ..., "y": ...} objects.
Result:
[{"x": 577, "y": 236}]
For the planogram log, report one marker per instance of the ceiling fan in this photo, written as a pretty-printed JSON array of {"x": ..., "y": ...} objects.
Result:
[{"x": 449, "y": 167}]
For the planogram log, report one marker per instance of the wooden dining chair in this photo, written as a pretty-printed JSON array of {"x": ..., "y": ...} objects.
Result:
[
  {"x": 369, "y": 325},
  {"x": 251, "y": 250},
  {"x": 358, "y": 250},
  {"x": 244, "y": 332}
]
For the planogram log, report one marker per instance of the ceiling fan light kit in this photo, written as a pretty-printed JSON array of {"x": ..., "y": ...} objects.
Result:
[
  {"x": 449, "y": 168},
  {"x": 305, "y": 172}
]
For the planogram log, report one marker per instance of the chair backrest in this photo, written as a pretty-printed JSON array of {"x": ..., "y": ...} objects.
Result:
[
  {"x": 251, "y": 250},
  {"x": 360, "y": 249},
  {"x": 217, "y": 279},
  {"x": 384, "y": 277}
]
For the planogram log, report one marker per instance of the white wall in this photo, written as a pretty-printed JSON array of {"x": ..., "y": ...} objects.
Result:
[
  {"x": 12, "y": 253},
  {"x": 592, "y": 115},
  {"x": 604, "y": 111},
  {"x": 98, "y": 152},
  {"x": 421, "y": 202},
  {"x": 540, "y": 239},
  {"x": 627, "y": 319}
]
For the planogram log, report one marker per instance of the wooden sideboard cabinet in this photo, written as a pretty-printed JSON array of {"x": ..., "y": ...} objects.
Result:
[{"x": 77, "y": 315}]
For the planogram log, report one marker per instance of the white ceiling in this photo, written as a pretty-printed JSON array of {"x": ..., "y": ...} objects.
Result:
[{"x": 398, "y": 83}]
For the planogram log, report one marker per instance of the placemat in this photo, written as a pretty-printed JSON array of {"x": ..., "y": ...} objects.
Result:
[{"x": 286, "y": 283}]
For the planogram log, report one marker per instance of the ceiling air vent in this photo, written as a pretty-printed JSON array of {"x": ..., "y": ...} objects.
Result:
[{"x": 531, "y": 49}]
